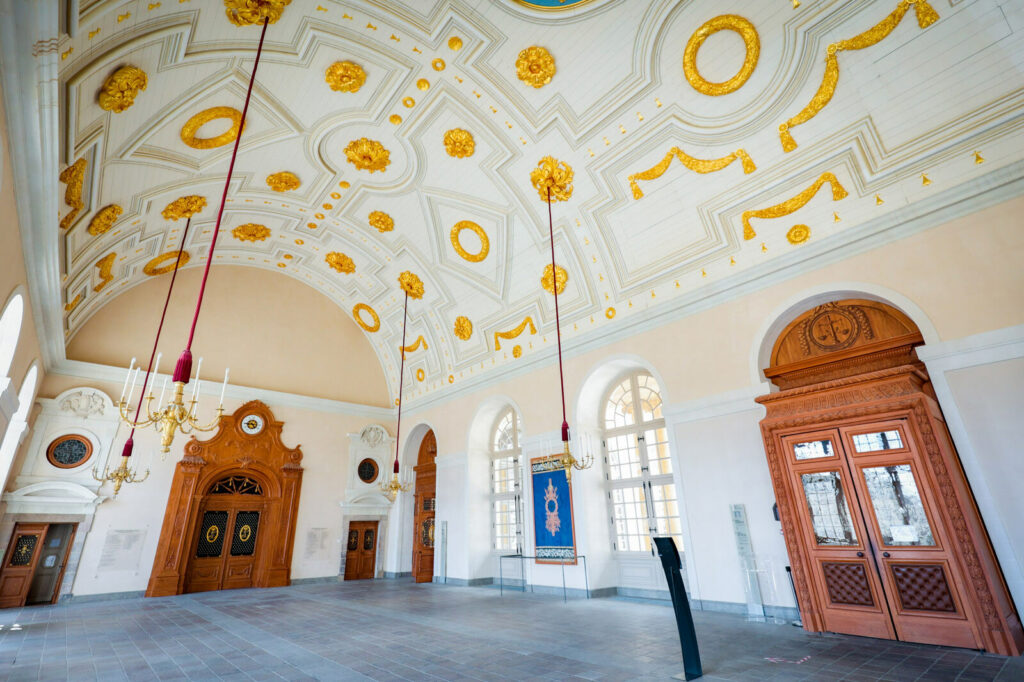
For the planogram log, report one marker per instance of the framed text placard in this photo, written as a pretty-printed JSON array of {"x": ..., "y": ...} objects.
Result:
[{"x": 553, "y": 530}]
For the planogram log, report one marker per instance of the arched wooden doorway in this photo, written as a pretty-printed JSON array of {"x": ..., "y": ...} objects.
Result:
[
  {"x": 423, "y": 511},
  {"x": 882, "y": 531},
  {"x": 230, "y": 519}
]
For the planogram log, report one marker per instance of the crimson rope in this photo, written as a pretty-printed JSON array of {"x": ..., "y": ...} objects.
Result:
[
  {"x": 401, "y": 378},
  {"x": 177, "y": 263},
  {"x": 227, "y": 185},
  {"x": 558, "y": 326}
]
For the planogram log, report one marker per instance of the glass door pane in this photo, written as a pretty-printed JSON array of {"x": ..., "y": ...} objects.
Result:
[
  {"x": 830, "y": 513},
  {"x": 897, "y": 506}
]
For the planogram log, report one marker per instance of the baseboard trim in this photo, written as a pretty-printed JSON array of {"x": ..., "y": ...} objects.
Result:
[
  {"x": 102, "y": 596},
  {"x": 394, "y": 575},
  {"x": 318, "y": 581},
  {"x": 463, "y": 582}
]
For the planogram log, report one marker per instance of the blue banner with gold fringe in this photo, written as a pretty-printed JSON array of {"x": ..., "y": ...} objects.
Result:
[{"x": 553, "y": 531}]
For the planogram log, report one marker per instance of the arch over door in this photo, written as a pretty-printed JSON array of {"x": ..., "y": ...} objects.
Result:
[{"x": 215, "y": 486}]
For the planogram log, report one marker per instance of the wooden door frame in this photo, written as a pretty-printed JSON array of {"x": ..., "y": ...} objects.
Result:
[
  {"x": 232, "y": 451},
  {"x": 231, "y": 504}
]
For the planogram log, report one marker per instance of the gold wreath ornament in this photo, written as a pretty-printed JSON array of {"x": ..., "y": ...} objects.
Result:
[
  {"x": 752, "y": 44},
  {"x": 463, "y": 327},
  {"x": 535, "y": 66},
  {"x": 249, "y": 12},
  {"x": 284, "y": 181},
  {"x": 345, "y": 76},
  {"x": 459, "y": 143},
  {"x": 104, "y": 219},
  {"x": 554, "y": 174},
  {"x": 357, "y": 312},
  {"x": 548, "y": 280},
  {"x": 120, "y": 89},
  {"x": 192, "y": 126},
  {"x": 184, "y": 207},
  {"x": 340, "y": 262},
  {"x": 485, "y": 244},
  {"x": 411, "y": 284},
  {"x": 381, "y": 221},
  {"x": 367, "y": 154},
  {"x": 251, "y": 232},
  {"x": 156, "y": 266}
]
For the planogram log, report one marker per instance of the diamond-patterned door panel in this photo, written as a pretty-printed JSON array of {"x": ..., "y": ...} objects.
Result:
[
  {"x": 923, "y": 587},
  {"x": 847, "y": 583}
]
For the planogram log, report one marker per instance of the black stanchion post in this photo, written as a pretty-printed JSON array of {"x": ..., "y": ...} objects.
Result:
[{"x": 692, "y": 668}]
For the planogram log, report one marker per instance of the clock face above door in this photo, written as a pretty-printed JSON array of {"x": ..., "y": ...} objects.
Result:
[{"x": 252, "y": 424}]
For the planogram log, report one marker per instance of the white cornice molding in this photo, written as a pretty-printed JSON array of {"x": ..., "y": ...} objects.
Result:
[
  {"x": 96, "y": 372},
  {"x": 721, "y": 404},
  {"x": 978, "y": 349}
]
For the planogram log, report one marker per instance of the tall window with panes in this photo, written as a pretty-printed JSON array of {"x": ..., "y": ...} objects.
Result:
[
  {"x": 506, "y": 484},
  {"x": 641, "y": 494}
]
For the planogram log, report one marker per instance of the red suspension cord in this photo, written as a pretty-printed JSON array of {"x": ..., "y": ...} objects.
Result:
[
  {"x": 401, "y": 378},
  {"x": 558, "y": 326}
]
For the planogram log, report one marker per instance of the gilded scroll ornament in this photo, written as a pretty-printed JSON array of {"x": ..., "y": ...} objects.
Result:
[
  {"x": 160, "y": 265},
  {"x": 340, "y": 262},
  {"x": 249, "y": 12},
  {"x": 463, "y": 327},
  {"x": 345, "y": 76},
  {"x": 792, "y": 204},
  {"x": 69, "y": 307},
  {"x": 926, "y": 16},
  {"x": 554, "y": 174},
  {"x": 485, "y": 244},
  {"x": 535, "y": 66},
  {"x": 284, "y": 181},
  {"x": 120, "y": 89},
  {"x": 415, "y": 345},
  {"x": 104, "y": 219},
  {"x": 381, "y": 221},
  {"x": 751, "y": 43},
  {"x": 73, "y": 176},
  {"x": 411, "y": 284},
  {"x": 192, "y": 126},
  {"x": 459, "y": 143},
  {"x": 357, "y": 312},
  {"x": 513, "y": 333},
  {"x": 106, "y": 267},
  {"x": 548, "y": 281},
  {"x": 184, "y": 207},
  {"x": 367, "y": 154},
  {"x": 694, "y": 164},
  {"x": 798, "y": 234},
  {"x": 251, "y": 232}
]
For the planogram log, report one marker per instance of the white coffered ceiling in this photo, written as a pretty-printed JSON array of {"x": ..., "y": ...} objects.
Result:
[{"x": 921, "y": 101}]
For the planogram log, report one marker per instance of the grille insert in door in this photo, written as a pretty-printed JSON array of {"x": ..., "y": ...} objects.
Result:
[
  {"x": 847, "y": 583},
  {"x": 243, "y": 542},
  {"x": 923, "y": 587},
  {"x": 23, "y": 550},
  {"x": 211, "y": 534}
]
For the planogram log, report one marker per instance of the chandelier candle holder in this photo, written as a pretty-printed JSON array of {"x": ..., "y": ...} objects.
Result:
[
  {"x": 553, "y": 181},
  {"x": 412, "y": 286}
]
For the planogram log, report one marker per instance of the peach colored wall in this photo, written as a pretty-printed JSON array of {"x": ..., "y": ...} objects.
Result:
[{"x": 273, "y": 332}]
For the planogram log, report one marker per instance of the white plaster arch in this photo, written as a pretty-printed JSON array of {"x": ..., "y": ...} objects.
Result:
[
  {"x": 11, "y": 321},
  {"x": 411, "y": 447},
  {"x": 482, "y": 425},
  {"x": 598, "y": 381},
  {"x": 793, "y": 306}
]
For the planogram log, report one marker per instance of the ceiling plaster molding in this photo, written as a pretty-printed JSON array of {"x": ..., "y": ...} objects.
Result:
[
  {"x": 91, "y": 371},
  {"x": 980, "y": 193}
]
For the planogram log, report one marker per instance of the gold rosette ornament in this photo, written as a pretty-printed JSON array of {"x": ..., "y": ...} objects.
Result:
[
  {"x": 535, "y": 66},
  {"x": 283, "y": 182},
  {"x": 249, "y": 12},
  {"x": 184, "y": 207},
  {"x": 463, "y": 327},
  {"x": 345, "y": 76},
  {"x": 459, "y": 143},
  {"x": 340, "y": 262},
  {"x": 381, "y": 221},
  {"x": 411, "y": 284},
  {"x": 367, "y": 154},
  {"x": 554, "y": 174},
  {"x": 120, "y": 89},
  {"x": 548, "y": 281},
  {"x": 251, "y": 232}
]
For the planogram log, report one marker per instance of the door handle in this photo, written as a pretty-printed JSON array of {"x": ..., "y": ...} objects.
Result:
[
  {"x": 886, "y": 555},
  {"x": 860, "y": 554}
]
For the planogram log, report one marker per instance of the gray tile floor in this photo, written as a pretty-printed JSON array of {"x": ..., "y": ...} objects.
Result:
[{"x": 396, "y": 630}]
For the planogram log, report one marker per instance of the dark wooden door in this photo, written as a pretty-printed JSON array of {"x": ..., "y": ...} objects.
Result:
[
  {"x": 20, "y": 563},
  {"x": 361, "y": 555},
  {"x": 53, "y": 557},
  {"x": 423, "y": 513},
  {"x": 226, "y": 545}
]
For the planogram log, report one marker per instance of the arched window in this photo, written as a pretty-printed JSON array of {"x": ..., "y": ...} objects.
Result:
[
  {"x": 19, "y": 422},
  {"x": 641, "y": 492},
  {"x": 506, "y": 486},
  {"x": 10, "y": 329}
]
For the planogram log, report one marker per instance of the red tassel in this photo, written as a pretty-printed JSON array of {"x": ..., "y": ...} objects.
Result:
[
  {"x": 396, "y": 466},
  {"x": 129, "y": 445},
  {"x": 565, "y": 432},
  {"x": 183, "y": 370}
]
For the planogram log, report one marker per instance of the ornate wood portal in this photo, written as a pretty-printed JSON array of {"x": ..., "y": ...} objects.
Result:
[
  {"x": 230, "y": 519},
  {"x": 361, "y": 551},
  {"x": 881, "y": 527},
  {"x": 423, "y": 513}
]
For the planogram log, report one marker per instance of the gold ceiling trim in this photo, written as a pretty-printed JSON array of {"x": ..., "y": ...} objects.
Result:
[
  {"x": 104, "y": 219},
  {"x": 73, "y": 176},
  {"x": 156, "y": 266},
  {"x": 463, "y": 327},
  {"x": 249, "y": 12},
  {"x": 340, "y": 262},
  {"x": 381, "y": 221},
  {"x": 105, "y": 266},
  {"x": 184, "y": 207},
  {"x": 192, "y": 126},
  {"x": 70, "y": 307},
  {"x": 121, "y": 88},
  {"x": 367, "y": 154},
  {"x": 548, "y": 280},
  {"x": 251, "y": 232},
  {"x": 535, "y": 66},
  {"x": 411, "y": 284},
  {"x": 485, "y": 244},
  {"x": 345, "y": 76},
  {"x": 284, "y": 181},
  {"x": 550, "y": 172},
  {"x": 793, "y": 203},
  {"x": 751, "y": 43},
  {"x": 415, "y": 345},
  {"x": 459, "y": 143},
  {"x": 513, "y": 333},
  {"x": 357, "y": 311},
  {"x": 694, "y": 164},
  {"x": 926, "y": 16}
]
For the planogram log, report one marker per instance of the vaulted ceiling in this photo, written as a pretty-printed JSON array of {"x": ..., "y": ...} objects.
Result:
[{"x": 930, "y": 101}]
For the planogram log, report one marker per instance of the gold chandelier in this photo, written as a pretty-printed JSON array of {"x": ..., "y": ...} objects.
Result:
[{"x": 119, "y": 476}]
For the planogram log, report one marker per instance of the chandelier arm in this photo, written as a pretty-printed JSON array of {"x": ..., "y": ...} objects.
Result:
[
  {"x": 224, "y": 195},
  {"x": 558, "y": 326}
]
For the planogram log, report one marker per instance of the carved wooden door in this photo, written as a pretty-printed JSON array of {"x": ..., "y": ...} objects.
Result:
[
  {"x": 361, "y": 557},
  {"x": 226, "y": 544},
  {"x": 425, "y": 502},
  {"x": 20, "y": 563}
]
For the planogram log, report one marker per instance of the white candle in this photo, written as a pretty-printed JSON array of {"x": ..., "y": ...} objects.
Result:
[
  {"x": 195, "y": 389},
  {"x": 225, "y": 386},
  {"x": 126, "y": 379},
  {"x": 134, "y": 377},
  {"x": 156, "y": 367},
  {"x": 163, "y": 390}
]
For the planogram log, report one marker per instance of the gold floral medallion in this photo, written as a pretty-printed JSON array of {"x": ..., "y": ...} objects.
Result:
[
  {"x": 157, "y": 265},
  {"x": 459, "y": 143},
  {"x": 283, "y": 181},
  {"x": 251, "y": 232},
  {"x": 373, "y": 325},
  {"x": 104, "y": 219},
  {"x": 455, "y": 43},
  {"x": 463, "y": 327},
  {"x": 367, "y": 154},
  {"x": 485, "y": 244},
  {"x": 555, "y": 175},
  {"x": 340, "y": 262},
  {"x": 535, "y": 66},
  {"x": 381, "y": 221},
  {"x": 798, "y": 234},
  {"x": 184, "y": 207},
  {"x": 411, "y": 284},
  {"x": 120, "y": 89},
  {"x": 192, "y": 126},
  {"x": 517, "y": 351},
  {"x": 345, "y": 76},
  {"x": 548, "y": 281},
  {"x": 249, "y": 12},
  {"x": 423, "y": 84}
]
